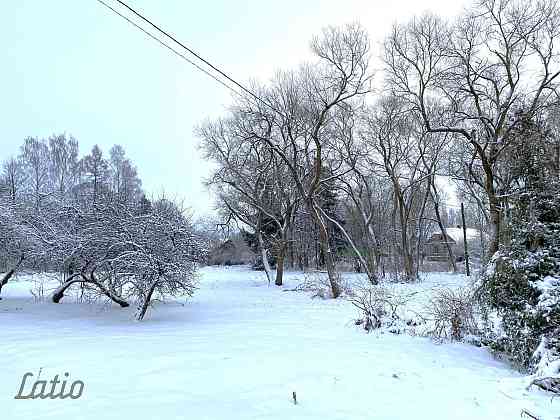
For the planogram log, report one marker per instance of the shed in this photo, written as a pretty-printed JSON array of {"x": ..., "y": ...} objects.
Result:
[{"x": 436, "y": 245}]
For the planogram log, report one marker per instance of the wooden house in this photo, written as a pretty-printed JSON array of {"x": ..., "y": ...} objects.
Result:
[{"x": 435, "y": 248}]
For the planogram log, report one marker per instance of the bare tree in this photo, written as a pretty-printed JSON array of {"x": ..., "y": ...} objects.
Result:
[
  {"x": 124, "y": 182},
  {"x": 252, "y": 184},
  {"x": 13, "y": 178},
  {"x": 34, "y": 155},
  {"x": 13, "y": 245},
  {"x": 348, "y": 161},
  {"x": 121, "y": 253},
  {"x": 95, "y": 174},
  {"x": 165, "y": 254},
  {"x": 431, "y": 154},
  {"x": 63, "y": 163},
  {"x": 303, "y": 104},
  {"x": 398, "y": 148},
  {"x": 498, "y": 56}
]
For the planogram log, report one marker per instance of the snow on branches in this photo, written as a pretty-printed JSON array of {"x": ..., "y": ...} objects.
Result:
[{"x": 127, "y": 254}]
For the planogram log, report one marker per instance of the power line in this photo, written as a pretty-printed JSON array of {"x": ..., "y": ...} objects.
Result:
[
  {"x": 168, "y": 47},
  {"x": 190, "y": 50}
]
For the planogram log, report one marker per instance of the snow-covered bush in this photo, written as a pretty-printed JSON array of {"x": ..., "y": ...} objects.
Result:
[
  {"x": 379, "y": 306},
  {"x": 522, "y": 283},
  {"x": 318, "y": 283},
  {"x": 452, "y": 312}
]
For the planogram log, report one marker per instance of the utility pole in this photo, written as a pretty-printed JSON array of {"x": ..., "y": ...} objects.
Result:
[{"x": 468, "y": 270}]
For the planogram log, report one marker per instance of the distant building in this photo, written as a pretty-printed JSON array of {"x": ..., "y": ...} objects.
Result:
[{"x": 436, "y": 247}]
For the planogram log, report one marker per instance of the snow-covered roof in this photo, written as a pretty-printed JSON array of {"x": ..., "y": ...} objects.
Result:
[{"x": 457, "y": 233}]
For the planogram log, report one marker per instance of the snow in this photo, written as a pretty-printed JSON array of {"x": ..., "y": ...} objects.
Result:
[
  {"x": 238, "y": 349},
  {"x": 549, "y": 364},
  {"x": 547, "y": 284},
  {"x": 457, "y": 234},
  {"x": 549, "y": 293}
]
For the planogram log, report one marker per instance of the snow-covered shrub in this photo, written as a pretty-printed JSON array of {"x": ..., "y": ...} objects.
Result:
[
  {"x": 318, "y": 284},
  {"x": 547, "y": 369},
  {"x": 522, "y": 283},
  {"x": 452, "y": 312},
  {"x": 379, "y": 306}
]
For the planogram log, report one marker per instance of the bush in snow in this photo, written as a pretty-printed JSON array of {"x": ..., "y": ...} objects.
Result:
[
  {"x": 379, "y": 306},
  {"x": 452, "y": 312},
  {"x": 522, "y": 282},
  {"x": 318, "y": 283}
]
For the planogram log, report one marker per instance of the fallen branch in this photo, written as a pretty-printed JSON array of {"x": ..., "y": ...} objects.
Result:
[
  {"x": 549, "y": 384},
  {"x": 527, "y": 413}
]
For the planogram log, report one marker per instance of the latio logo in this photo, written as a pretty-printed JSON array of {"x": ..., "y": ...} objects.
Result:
[{"x": 56, "y": 390}]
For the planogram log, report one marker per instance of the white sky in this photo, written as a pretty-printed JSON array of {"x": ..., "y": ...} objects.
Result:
[{"x": 71, "y": 66}]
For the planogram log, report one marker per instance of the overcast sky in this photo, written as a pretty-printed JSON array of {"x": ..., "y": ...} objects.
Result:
[{"x": 72, "y": 66}]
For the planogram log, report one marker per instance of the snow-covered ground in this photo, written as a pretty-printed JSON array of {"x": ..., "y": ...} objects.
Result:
[{"x": 237, "y": 350}]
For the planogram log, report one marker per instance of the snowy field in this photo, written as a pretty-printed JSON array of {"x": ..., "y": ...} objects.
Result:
[{"x": 237, "y": 350}]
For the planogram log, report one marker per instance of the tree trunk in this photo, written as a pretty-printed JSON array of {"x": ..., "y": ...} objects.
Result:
[
  {"x": 371, "y": 276},
  {"x": 494, "y": 211},
  {"x": 408, "y": 260},
  {"x": 146, "y": 302},
  {"x": 419, "y": 228},
  {"x": 115, "y": 298},
  {"x": 10, "y": 273},
  {"x": 281, "y": 256},
  {"x": 465, "y": 244},
  {"x": 81, "y": 278},
  {"x": 326, "y": 250},
  {"x": 59, "y": 292},
  {"x": 376, "y": 248},
  {"x": 377, "y": 252},
  {"x": 494, "y": 219},
  {"x": 408, "y": 266},
  {"x": 279, "y": 268},
  {"x": 264, "y": 255}
]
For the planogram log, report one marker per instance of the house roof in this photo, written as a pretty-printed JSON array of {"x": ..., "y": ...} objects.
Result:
[{"x": 457, "y": 233}]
